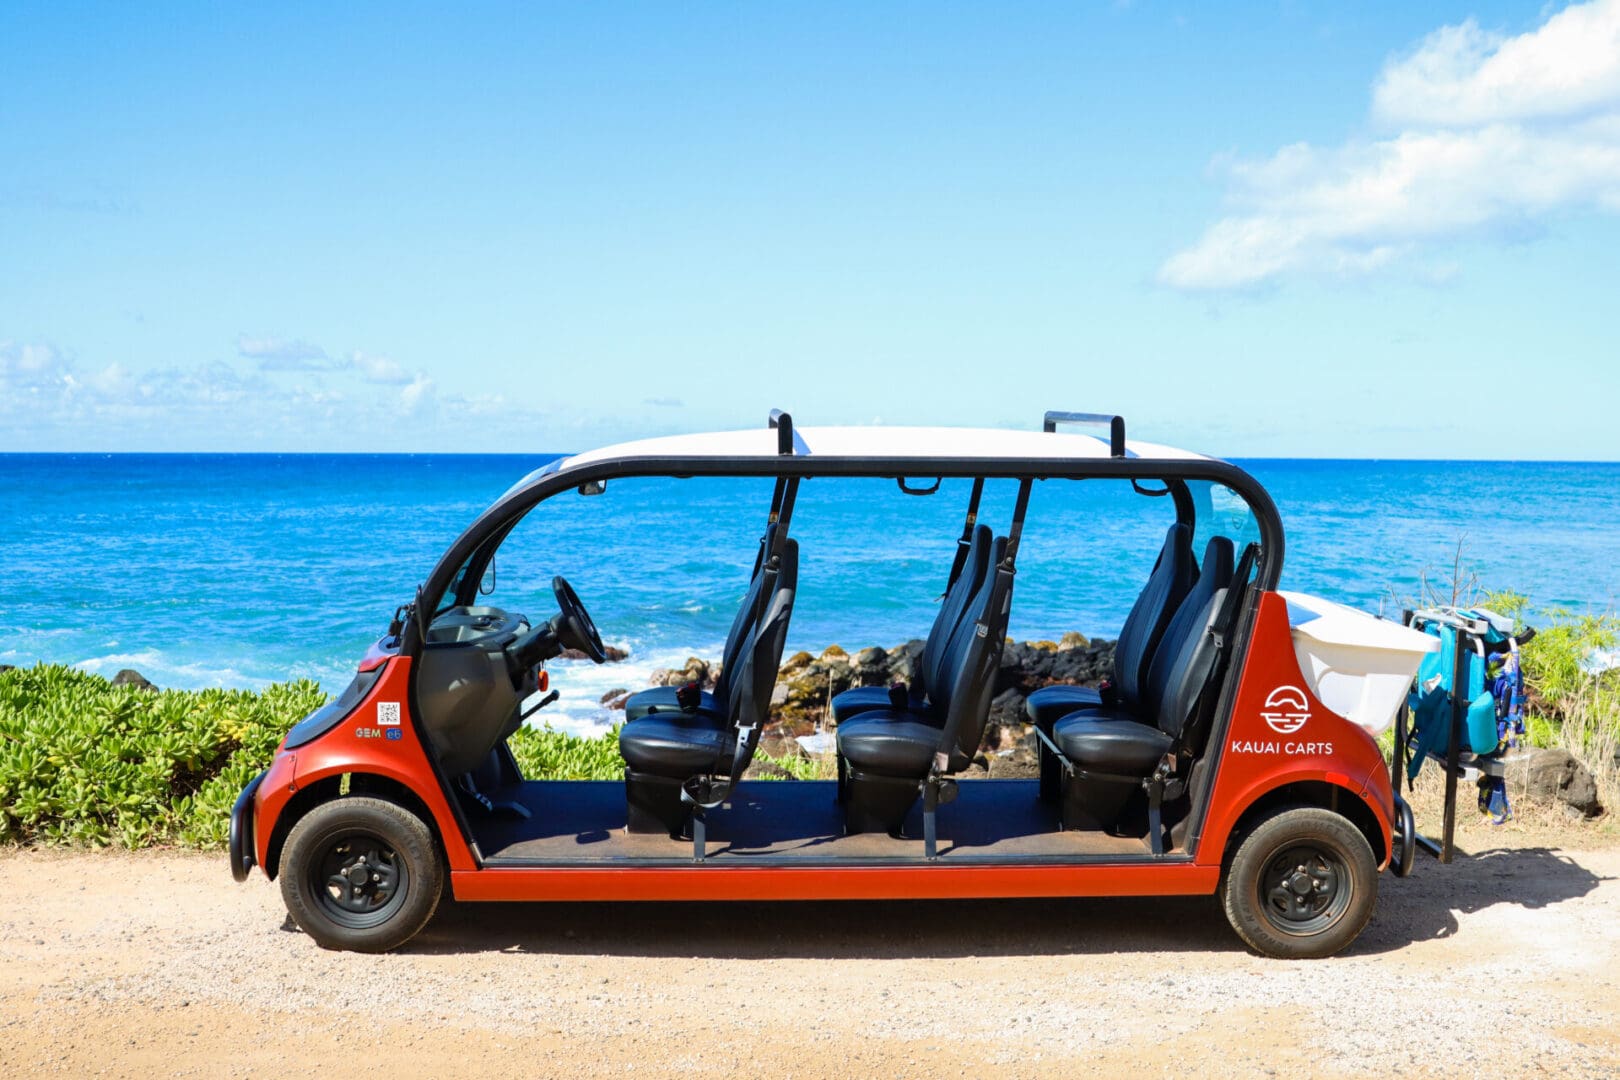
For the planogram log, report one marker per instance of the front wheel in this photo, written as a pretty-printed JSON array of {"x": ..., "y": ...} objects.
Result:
[
  {"x": 1302, "y": 884},
  {"x": 361, "y": 874}
]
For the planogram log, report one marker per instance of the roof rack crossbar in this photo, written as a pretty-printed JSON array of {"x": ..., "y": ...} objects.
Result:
[
  {"x": 1116, "y": 426},
  {"x": 783, "y": 423}
]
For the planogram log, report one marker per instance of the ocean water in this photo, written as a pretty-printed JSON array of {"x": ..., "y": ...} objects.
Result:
[{"x": 240, "y": 570}]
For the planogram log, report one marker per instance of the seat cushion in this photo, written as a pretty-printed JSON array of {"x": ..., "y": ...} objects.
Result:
[
  {"x": 889, "y": 743},
  {"x": 676, "y": 745},
  {"x": 1111, "y": 743},
  {"x": 1046, "y": 706},
  {"x": 662, "y": 699},
  {"x": 864, "y": 699}
]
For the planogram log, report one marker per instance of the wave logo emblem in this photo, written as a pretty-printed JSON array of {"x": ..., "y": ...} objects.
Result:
[{"x": 1286, "y": 710}]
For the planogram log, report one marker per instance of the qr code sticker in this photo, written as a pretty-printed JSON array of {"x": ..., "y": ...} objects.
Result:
[{"x": 387, "y": 714}]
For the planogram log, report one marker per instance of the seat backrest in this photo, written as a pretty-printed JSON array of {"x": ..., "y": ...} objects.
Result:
[
  {"x": 931, "y": 665},
  {"x": 1196, "y": 671},
  {"x": 968, "y": 677},
  {"x": 749, "y": 699},
  {"x": 1189, "y": 619},
  {"x": 1156, "y": 605},
  {"x": 1191, "y": 669},
  {"x": 743, "y": 625}
]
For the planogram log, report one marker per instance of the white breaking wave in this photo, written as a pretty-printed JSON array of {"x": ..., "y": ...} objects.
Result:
[
  {"x": 168, "y": 674},
  {"x": 581, "y": 685}
]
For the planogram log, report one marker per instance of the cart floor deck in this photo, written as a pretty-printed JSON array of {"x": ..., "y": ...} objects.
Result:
[{"x": 582, "y": 821}]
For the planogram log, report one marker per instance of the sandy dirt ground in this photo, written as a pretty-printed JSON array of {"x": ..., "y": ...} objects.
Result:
[{"x": 1506, "y": 963}]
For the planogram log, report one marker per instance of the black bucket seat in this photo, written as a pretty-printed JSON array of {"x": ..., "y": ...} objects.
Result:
[
  {"x": 888, "y": 757},
  {"x": 679, "y": 763},
  {"x": 1105, "y": 755},
  {"x": 930, "y": 665},
  {"x": 1173, "y": 575},
  {"x": 666, "y": 699}
]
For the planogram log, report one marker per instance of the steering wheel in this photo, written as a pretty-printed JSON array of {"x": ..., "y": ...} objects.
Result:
[{"x": 573, "y": 624}]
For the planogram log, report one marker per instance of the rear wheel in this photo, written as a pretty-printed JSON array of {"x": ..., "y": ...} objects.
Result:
[
  {"x": 361, "y": 874},
  {"x": 1301, "y": 884}
]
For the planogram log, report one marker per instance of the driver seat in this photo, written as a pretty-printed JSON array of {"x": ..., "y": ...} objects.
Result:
[{"x": 680, "y": 762}]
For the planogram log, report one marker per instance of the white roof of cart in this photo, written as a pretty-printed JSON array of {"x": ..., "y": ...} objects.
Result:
[{"x": 888, "y": 442}]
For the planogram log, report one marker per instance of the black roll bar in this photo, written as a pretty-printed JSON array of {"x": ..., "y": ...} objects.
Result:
[
  {"x": 1116, "y": 426},
  {"x": 783, "y": 423},
  {"x": 505, "y": 512}
]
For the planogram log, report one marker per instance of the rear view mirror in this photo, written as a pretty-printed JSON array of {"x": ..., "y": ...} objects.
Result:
[{"x": 593, "y": 487}]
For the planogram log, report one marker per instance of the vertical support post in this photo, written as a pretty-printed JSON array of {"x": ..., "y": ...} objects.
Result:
[
  {"x": 700, "y": 835},
  {"x": 930, "y": 818},
  {"x": 1398, "y": 755},
  {"x": 1459, "y": 715}
]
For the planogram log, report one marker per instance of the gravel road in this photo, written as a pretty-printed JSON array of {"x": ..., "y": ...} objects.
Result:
[{"x": 1504, "y": 964}]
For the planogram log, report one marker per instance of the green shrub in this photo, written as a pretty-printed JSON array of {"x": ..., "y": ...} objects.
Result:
[
  {"x": 86, "y": 762},
  {"x": 1569, "y": 706},
  {"x": 544, "y": 754}
]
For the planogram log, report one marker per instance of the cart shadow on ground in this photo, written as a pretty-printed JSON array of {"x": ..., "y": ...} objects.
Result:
[
  {"x": 1422, "y": 907},
  {"x": 1426, "y": 905}
]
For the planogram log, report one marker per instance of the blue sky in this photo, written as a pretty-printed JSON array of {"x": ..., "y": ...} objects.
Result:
[{"x": 1259, "y": 230}]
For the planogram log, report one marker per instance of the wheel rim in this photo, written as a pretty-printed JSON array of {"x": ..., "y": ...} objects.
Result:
[
  {"x": 359, "y": 881},
  {"x": 1305, "y": 889}
]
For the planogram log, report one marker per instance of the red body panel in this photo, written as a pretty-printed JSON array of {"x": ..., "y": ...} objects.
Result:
[
  {"x": 1302, "y": 740},
  {"x": 834, "y": 883},
  {"x": 363, "y": 743}
]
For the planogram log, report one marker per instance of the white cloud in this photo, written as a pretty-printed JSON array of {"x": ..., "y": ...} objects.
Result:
[
  {"x": 378, "y": 369},
  {"x": 283, "y": 354},
  {"x": 48, "y": 401},
  {"x": 1499, "y": 132},
  {"x": 418, "y": 397},
  {"x": 1464, "y": 75}
]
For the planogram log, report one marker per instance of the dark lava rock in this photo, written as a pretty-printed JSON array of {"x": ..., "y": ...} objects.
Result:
[
  {"x": 761, "y": 769},
  {"x": 1018, "y": 763},
  {"x": 696, "y": 671},
  {"x": 614, "y": 654},
  {"x": 1555, "y": 775},
  {"x": 614, "y": 699},
  {"x": 131, "y": 677}
]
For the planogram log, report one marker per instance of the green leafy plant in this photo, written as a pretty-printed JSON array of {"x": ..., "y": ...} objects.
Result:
[
  {"x": 86, "y": 762},
  {"x": 1570, "y": 704},
  {"x": 546, "y": 754}
]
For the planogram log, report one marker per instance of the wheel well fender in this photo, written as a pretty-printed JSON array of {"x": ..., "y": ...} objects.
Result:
[
  {"x": 1329, "y": 796},
  {"x": 330, "y": 788}
]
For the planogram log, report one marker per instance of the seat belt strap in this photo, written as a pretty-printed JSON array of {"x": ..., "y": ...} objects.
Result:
[
  {"x": 966, "y": 539},
  {"x": 1016, "y": 532},
  {"x": 782, "y": 500}
]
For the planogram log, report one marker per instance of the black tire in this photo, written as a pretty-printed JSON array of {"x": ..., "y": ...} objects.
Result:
[
  {"x": 361, "y": 874},
  {"x": 1302, "y": 884}
]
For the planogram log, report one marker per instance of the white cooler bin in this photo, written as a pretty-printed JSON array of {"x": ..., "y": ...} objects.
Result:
[{"x": 1359, "y": 666}]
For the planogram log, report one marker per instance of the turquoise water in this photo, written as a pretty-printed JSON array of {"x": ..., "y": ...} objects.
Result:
[{"x": 238, "y": 570}]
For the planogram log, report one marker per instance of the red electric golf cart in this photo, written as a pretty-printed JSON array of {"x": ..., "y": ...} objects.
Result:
[{"x": 1232, "y": 751}]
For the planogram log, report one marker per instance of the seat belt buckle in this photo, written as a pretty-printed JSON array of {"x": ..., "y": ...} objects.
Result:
[
  {"x": 1108, "y": 692},
  {"x": 689, "y": 696},
  {"x": 899, "y": 696}
]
